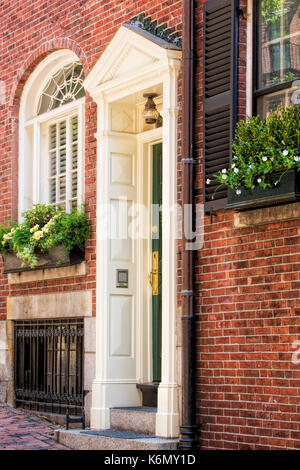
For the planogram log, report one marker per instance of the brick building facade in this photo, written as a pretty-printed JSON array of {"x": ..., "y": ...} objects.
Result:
[{"x": 246, "y": 275}]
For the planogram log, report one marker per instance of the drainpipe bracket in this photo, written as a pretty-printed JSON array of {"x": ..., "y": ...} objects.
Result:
[{"x": 188, "y": 160}]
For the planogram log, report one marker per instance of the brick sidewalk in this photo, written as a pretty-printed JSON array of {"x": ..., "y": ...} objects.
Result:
[{"x": 21, "y": 431}]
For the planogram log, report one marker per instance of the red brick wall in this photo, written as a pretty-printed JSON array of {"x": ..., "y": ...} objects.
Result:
[
  {"x": 246, "y": 280},
  {"x": 247, "y": 307},
  {"x": 29, "y": 31}
]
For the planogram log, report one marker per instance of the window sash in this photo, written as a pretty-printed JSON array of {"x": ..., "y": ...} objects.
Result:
[
  {"x": 63, "y": 158},
  {"x": 286, "y": 87}
]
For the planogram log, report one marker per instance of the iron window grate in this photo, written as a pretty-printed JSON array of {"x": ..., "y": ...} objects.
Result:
[{"x": 49, "y": 365}]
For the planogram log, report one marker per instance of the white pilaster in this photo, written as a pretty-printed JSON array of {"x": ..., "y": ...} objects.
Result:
[
  {"x": 167, "y": 418},
  {"x": 100, "y": 410}
]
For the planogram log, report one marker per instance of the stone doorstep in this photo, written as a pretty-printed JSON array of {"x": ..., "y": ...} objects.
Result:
[
  {"x": 140, "y": 419},
  {"x": 89, "y": 440}
]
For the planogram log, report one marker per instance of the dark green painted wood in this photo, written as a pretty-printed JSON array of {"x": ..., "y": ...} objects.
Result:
[{"x": 157, "y": 246}]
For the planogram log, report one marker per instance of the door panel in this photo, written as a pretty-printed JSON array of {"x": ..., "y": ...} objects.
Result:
[{"x": 156, "y": 261}]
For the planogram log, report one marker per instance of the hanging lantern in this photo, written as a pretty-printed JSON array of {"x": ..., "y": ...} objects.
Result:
[{"x": 150, "y": 112}]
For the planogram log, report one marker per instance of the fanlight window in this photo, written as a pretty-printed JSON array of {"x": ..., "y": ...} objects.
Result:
[{"x": 63, "y": 87}]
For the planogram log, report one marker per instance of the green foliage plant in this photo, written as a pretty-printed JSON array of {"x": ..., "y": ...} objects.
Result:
[
  {"x": 264, "y": 150},
  {"x": 43, "y": 228}
]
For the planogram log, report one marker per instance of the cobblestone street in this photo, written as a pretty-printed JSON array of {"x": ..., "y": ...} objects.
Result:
[{"x": 21, "y": 431}]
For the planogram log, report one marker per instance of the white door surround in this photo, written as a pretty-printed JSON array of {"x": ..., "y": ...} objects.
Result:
[{"x": 131, "y": 65}]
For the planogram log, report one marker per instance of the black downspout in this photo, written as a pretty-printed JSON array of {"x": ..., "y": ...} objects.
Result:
[{"x": 188, "y": 428}]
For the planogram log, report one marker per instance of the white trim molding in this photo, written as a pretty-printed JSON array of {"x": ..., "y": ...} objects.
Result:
[{"x": 131, "y": 65}]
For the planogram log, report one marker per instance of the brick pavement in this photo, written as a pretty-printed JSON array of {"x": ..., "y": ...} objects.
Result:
[{"x": 22, "y": 431}]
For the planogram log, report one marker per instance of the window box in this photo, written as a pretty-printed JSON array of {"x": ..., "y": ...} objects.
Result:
[
  {"x": 288, "y": 190},
  {"x": 55, "y": 258}
]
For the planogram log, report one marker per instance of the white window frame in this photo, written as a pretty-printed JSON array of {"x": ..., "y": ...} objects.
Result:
[{"x": 33, "y": 135}]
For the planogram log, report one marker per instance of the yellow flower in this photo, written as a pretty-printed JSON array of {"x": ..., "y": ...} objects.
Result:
[
  {"x": 34, "y": 229},
  {"x": 37, "y": 235}
]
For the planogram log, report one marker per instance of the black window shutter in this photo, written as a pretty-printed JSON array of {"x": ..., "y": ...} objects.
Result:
[{"x": 220, "y": 94}]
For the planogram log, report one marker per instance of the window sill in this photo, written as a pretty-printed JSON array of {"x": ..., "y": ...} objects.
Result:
[
  {"x": 47, "y": 274},
  {"x": 56, "y": 258}
]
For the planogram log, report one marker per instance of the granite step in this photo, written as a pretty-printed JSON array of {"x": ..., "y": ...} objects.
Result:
[
  {"x": 138, "y": 419},
  {"x": 112, "y": 439}
]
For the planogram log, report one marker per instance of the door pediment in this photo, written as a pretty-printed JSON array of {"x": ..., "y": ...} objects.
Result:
[
  {"x": 130, "y": 53},
  {"x": 131, "y": 60}
]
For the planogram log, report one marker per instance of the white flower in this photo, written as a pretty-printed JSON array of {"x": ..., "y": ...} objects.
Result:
[
  {"x": 259, "y": 180},
  {"x": 285, "y": 152},
  {"x": 233, "y": 165},
  {"x": 224, "y": 177},
  {"x": 224, "y": 170},
  {"x": 283, "y": 142},
  {"x": 236, "y": 170},
  {"x": 296, "y": 158},
  {"x": 264, "y": 159},
  {"x": 238, "y": 192},
  {"x": 37, "y": 235},
  {"x": 208, "y": 181}
]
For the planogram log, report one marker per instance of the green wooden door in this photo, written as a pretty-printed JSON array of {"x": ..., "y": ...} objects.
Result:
[{"x": 156, "y": 260}]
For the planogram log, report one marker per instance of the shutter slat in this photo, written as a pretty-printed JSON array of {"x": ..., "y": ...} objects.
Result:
[
  {"x": 216, "y": 146},
  {"x": 215, "y": 59},
  {"x": 218, "y": 13},
  {"x": 213, "y": 168},
  {"x": 217, "y": 47},
  {"x": 223, "y": 80},
  {"x": 218, "y": 129},
  {"x": 213, "y": 12},
  {"x": 213, "y": 40},
  {"x": 216, "y": 52},
  {"x": 212, "y": 138},
  {"x": 220, "y": 68},
  {"x": 220, "y": 71},
  {"x": 215, "y": 67},
  {"x": 218, "y": 91},
  {"x": 219, "y": 155},
  {"x": 221, "y": 23}
]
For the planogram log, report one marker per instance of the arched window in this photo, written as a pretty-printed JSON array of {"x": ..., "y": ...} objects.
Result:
[{"x": 52, "y": 134}]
